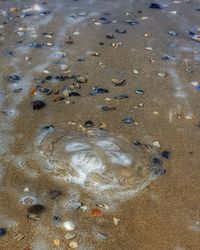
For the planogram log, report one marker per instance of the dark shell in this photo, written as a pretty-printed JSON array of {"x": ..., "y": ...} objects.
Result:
[
  {"x": 38, "y": 105},
  {"x": 155, "y": 6},
  {"x": 88, "y": 124},
  {"x": 13, "y": 78},
  {"x": 98, "y": 90},
  {"x": 127, "y": 120}
]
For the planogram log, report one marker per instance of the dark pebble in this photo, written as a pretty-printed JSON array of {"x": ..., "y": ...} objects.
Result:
[
  {"x": 104, "y": 20},
  {"x": 88, "y": 124},
  {"x": 56, "y": 219},
  {"x": 101, "y": 43},
  {"x": 2, "y": 232},
  {"x": 155, "y": 6},
  {"x": 139, "y": 91},
  {"x": 55, "y": 193},
  {"x": 13, "y": 78},
  {"x": 8, "y": 52},
  {"x": 121, "y": 31},
  {"x": 160, "y": 171},
  {"x": 36, "y": 209},
  {"x": 81, "y": 59},
  {"x": 36, "y": 45},
  {"x": 48, "y": 78},
  {"x": 127, "y": 120},
  {"x": 165, "y": 154},
  {"x": 38, "y": 105},
  {"x": 60, "y": 78},
  {"x": 110, "y": 36},
  {"x": 73, "y": 93},
  {"x": 192, "y": 33},
  {"x": 122, "y": 96},
  {"x": 98, "y": 90},
  {"x": 156, "y": 161}
]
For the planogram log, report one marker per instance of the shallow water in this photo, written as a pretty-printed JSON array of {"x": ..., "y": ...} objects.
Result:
[{"x": 90, "y": 176}]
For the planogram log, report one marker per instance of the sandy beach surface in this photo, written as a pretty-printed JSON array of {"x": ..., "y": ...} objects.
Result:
[{"x": 99, "y": 125}]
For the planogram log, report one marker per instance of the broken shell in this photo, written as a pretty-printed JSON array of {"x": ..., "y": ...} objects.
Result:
[
  {"x": 103, "y": 205},
  {"x": 117, "y": 82},
  {"x": 116, "y": 220},
  {"x": 156, "y": 144}
]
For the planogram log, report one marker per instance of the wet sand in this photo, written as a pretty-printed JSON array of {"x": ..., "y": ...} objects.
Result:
[{"x": 164, "y": 215}]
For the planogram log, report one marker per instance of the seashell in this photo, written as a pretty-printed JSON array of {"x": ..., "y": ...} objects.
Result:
[
  {"x": 116, "y": 220},
  {"x": 139, "y": 91},
  {"x": 38, "y": 104},
  {"x": 120, "y": 30},
  {"x": 110, "y": 36},
  {"x": 196, "y": 38},
  {"x": 117, "y": 82},
  {"x": 98, "y": 90},
  {"x": 13, "y": 78}
]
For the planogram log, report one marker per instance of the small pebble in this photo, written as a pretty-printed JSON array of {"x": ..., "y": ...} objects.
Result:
[
  {"x": 73, "y": 244},
  {"x": 70, "y": 236},
  {"x": 155, "y": 6},
  {"x": 81, "y": 79},
  {"x": 56, "y": 242}
]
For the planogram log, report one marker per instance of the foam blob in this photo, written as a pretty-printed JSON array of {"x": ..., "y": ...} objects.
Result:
[{"x": 101, "y": 163}]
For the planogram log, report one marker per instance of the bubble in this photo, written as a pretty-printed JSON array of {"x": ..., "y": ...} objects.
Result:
[{"x": 101, "y": 163}]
